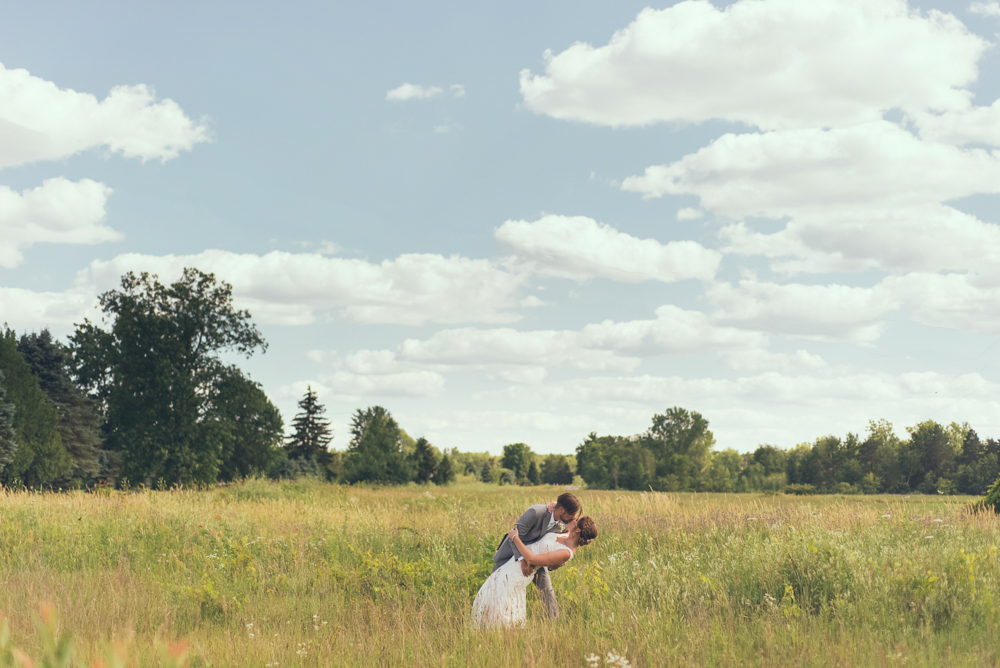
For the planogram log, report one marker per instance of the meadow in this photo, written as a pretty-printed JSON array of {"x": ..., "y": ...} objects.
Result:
[{"x": 310, "y": 574}]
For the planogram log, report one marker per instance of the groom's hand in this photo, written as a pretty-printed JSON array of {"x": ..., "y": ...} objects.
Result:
[{"x": 526, "y": 569}]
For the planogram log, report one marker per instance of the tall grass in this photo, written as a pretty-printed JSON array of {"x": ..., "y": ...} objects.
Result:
[{"x": 309, "y": 574}]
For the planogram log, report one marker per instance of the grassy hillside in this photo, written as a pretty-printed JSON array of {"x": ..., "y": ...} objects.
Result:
[{"x": 310, "y": 574}]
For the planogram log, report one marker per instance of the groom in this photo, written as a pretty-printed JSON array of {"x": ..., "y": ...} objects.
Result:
[{"x": 532, "y": 525}]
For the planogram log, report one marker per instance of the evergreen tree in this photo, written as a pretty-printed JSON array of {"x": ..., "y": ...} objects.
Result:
[
  {"x": 425, "y": 461},
  {"x": 445, "y": 473},
  {"x": 8, "y": 442},
  {"x": 533, "y": 476},
  {"x": 40, "y": 457},
  {"x": 556, "y": 471},
  {"x": 79, "y": 419},
  {"x": 312, "y": 433},
  {"x": 376, "y": 450}
]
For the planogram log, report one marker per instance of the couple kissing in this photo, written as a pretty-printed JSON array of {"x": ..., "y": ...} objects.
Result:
[{"x": 532, "y": 548}]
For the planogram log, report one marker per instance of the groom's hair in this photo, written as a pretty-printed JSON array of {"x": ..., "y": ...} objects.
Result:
[{"x": 569, "y": 503}]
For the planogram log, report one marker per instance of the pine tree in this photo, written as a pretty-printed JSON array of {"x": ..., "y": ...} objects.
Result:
[
  {"x": 376, "y": 450},
  {"x": 426, "y": 460},
  {"x": 79, "y": 420},
  {"x": 312, "y": 432},
  {"x": 534, "y": 477},
  {"x": 8, "y": 443},
  {"x": 40, "y": 458},
  {"x": 445, "y": 473}
]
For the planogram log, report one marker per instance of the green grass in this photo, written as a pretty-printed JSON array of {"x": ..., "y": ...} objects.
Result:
[{"x": 310, "y": 574}]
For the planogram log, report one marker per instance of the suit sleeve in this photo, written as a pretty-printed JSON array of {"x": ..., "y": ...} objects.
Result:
[{"x": 526, "y": 522}]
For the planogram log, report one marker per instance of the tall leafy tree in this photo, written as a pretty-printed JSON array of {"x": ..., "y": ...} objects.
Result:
[
  {"x": 153, "y": 371},
  {"x": 556, "y": 470},
  {"x": 517, "y": 458},
  {"x": 312, "y": 434},
  {"x": 254, "y": 430},
  {"x": 40, "y": 458},
  {"x": 376, "y": 453},
  {"x": 79, "y": 419},
  {"x": 8, "y": 442},
  {"x": 680, "y": 442}
]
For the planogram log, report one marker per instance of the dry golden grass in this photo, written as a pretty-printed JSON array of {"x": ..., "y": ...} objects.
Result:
[{"x": 310, "y": 574}]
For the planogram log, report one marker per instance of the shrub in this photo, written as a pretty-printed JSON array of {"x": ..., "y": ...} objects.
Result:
[{"x": 800, "y": 490}]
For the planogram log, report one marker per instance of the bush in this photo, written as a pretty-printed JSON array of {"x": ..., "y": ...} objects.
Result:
[
  {"x": 800, "y": 490},
  {"x": 992, "y": 499}
]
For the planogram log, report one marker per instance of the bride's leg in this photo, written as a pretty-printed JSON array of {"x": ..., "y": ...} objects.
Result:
[{"x": 544, "y": 585}]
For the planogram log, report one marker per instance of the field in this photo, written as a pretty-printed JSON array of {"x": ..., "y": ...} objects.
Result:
[{"x": 289, "y": 574}]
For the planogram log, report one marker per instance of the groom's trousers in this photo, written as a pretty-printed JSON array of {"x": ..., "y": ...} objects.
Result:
[{"x": 544, "y": 585}]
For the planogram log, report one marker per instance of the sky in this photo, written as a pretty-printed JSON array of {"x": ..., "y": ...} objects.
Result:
[{"x": 529, "y": 221}]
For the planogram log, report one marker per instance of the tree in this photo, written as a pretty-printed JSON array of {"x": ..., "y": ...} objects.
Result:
[
  {"x": 680, "y": 443},
  {"x": 611, "y": 462},
  {"x": 39, "y": 458},
  {"x": 154, "y": 369},
  {"x": 445, "y": 473},
  {"x": 8, "y": 441},
  {"x": 312, "y": 433},
  {"x": 425, "y": 461},
  {"x": 375, "y": 453},
  {"x": 534, "y": 477},
  {"x": 79, "y": 421},
  {"x": 517, "y": 458},
  {"x": 556, "y": 471},
  {"x": 254, "y": 427}
]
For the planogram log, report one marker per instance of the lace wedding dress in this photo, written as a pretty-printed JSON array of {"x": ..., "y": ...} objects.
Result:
[{"x": 501, "y": 600}]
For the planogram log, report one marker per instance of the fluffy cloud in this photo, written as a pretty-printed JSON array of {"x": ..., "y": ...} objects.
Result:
[
  {"x": 988, "y": 8},
  {"x": 579, "y": 248},
  {"x": 40, "y": 121},
  {"x": 770, "y": 63},
  {"x": 824, "y": 312},
  {"x": 374, "y": 373},
  {"x": 289, "y": 288},
  {"x": 58, "y": 211},
  {"x": 26, "y": 309}
]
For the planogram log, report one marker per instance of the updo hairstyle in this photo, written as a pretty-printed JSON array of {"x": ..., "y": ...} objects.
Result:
[{"x": 588, "y": 530}]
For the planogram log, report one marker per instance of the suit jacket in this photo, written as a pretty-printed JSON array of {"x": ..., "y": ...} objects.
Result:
[{"x": 531, "y": 526}]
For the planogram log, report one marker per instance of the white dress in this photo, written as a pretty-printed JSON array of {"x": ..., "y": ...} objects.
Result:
[{"x": 500, "y": 601}]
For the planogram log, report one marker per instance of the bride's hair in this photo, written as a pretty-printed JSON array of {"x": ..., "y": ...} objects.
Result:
[{"x": 588, "y": 530}]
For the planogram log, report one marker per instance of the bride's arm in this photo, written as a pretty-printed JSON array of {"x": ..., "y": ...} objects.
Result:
[{"x": 549, "y": 559}]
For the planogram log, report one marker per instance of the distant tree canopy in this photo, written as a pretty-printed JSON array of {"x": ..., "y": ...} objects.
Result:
[
  {"x": 254, "y": 431},
  {"x": 156, "y": 370},
  {"x": 38, "y": 456},
  {"x": 676, "y": 454}
]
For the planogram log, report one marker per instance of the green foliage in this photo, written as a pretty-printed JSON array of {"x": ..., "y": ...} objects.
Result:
[
  {"x": 517, "y": 457},
  {"x": 155, "y": 369},
  {"x": 445, "y": 473},
  {"x": 556, "y": 470},
  {"x": 424, "y": 461},
  {"x": 39, "y": 457},
  {"x": 992, "y": 499},
  {"x": 254, "y": 429},
  {"x": 312, "y": 435},
  {"x": 534, "y": 476},
  {"x": 800, "y": 489},
  {"x": 375, "y": 453},
  {"x": 79, "y": 419},
  {"x": 8, "y": 440}
]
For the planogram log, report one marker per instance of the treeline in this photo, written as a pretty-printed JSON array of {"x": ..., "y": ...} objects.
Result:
[
  {"x": 676, "y": 454},
  {"x": 144, "y": 398}
]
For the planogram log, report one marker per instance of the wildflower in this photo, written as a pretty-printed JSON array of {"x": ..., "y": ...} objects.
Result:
[
  {"x": 928, "y": 536},
  {"x": 592, "y": 660}
]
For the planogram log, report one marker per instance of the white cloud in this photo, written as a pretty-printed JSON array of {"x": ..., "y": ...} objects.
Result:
[
  {"x": 769, "y": 63},
  {"x": 823, "y": 312},
  {"x": 289, "y": 288},
  {"x": 373, "y": 372},
  {"x": 793, "y": 172},
  {"x": 988, "y": 8},
  {"x": 580, "y": 248},
  {"x": 410, "y": 91},
  {"x": 458, "y": 90},
  {"x": 689, "y": 213},
  {"x": 40, "y": 121},
  {"x": 58, "y": 211},
  {"x": 28, "y": 310},
  {"x": 955, "y": 301}
]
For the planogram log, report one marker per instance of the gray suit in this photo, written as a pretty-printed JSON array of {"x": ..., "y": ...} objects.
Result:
[{"x": 531, "y": 526}]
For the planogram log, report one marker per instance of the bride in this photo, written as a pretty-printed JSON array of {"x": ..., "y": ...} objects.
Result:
[{"x": 501, "y": 600}]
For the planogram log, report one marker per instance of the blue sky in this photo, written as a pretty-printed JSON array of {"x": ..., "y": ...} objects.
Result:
[{"x": 782, "y": 215}]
